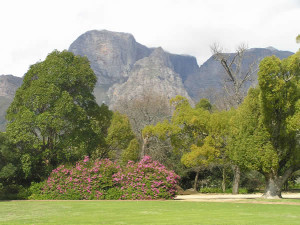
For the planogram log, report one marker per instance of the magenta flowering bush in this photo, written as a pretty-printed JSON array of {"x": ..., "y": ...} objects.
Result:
[
  {"x": 104, "y": 179},
  {"x": 146, "y": 180}
]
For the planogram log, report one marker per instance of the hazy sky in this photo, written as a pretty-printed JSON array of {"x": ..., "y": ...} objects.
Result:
[{"x": 30, "y": 29}]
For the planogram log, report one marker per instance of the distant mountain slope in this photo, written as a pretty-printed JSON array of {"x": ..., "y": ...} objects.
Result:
[
  {"x": 113, "y": 56},
  {"x": 211, "y": 73},
  {"x": 8, "y": 86},
  {"x": 155, "y": 73}
]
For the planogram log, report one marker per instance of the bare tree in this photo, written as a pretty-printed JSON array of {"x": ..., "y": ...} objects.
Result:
[
  {"x": 148, "y": 108},
  {"x": 235, "y": 85},
  {"x": 237, "y": 76}
]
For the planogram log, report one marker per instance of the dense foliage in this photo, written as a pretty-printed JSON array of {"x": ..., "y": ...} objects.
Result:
[
  {"x": 103, "y": 179},
  {"x": 265, "y": 134},
  {"x": 54, "y": 116},
  {"x": 54, "y": 122}
]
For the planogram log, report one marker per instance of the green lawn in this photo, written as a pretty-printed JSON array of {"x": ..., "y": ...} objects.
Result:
[{"x": 145, "y": 212}]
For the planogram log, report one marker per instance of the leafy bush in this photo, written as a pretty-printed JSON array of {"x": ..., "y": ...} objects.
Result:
[
  {"x": 13, "y": 192},
  {"x": 103, "y": 179},
  {"x": 241, "y": 191},
  {"x": 36, "y": 191},
  {"x": 219, "y": 190}
]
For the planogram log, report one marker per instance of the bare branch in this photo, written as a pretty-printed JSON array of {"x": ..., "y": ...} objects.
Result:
[{"x": 235, "y": 78}]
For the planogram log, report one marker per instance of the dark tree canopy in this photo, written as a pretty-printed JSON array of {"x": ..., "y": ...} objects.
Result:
[{"x": 54, "y": 116}]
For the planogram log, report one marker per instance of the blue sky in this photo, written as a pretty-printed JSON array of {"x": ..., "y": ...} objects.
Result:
[{"x": 33, "y": 28}]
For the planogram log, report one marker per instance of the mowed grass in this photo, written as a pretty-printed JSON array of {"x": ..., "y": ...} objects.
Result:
[{"x": 145, "y": 212}]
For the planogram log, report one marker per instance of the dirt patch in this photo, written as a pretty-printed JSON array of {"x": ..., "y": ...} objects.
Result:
[{"x": 241, "y": 198}]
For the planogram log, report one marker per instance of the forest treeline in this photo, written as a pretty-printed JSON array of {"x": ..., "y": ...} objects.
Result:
[{"x": 54, "y": 120}]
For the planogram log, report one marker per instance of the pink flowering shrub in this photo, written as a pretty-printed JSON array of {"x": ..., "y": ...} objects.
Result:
[
  {"x": 146, "y": 180},
  {"x": 103, "y": 179},
  {"x": 86, "y": 180}
]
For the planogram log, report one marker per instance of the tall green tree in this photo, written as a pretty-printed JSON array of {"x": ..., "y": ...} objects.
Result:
[
  {"x": 219, "y": 130},
  {"x": 279, "y": 85},
  {"x": 54, "y": 117},
  {"x": 266, "y": 132},
  {"x": 249, "y": 145}
]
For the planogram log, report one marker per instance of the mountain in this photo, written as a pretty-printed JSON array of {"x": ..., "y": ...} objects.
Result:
[
  {"x": 121, "y": 64},
  {"x": 126, "y": 69},
  {"x": 8, "y": 86},
  {"x": 211, "y": 74},
  {"x": 115, "y": 57},
  {"x": 111, "y": 55},
  {"x": 155, "y": 73}
]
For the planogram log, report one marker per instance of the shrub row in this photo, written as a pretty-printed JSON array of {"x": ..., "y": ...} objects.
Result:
[
  {"x": 219, "y": 190},
  {"x": 104, "y": 179}
]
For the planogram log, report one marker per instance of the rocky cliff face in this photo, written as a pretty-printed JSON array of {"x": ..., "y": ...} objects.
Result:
[
  {"x": 8, "y": 86},
  {"x": 155, "y": 74},
  {"x": 111, "y": 54},
  {"x": 211, "y": 74},
  {"x": 113, "y": 58},
  {"x": 184, "y": 65}
]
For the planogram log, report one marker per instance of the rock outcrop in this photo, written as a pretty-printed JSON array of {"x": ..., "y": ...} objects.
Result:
[
  {"x": 154, "y": 73},
  {"x": 111, "y": 54},
  {"x": 113, "y": 57},
  {"x": 8, "y": 86}
]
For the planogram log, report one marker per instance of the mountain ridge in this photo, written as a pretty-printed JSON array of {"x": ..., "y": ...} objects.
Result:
[
  {"x": 113, "y": 55},
  {"x": 126, "y": 68}
]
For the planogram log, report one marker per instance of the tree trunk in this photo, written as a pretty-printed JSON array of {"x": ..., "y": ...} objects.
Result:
[
  {"x": 236, "y": 179},
  {"x": 273, "y": 188},
  {"x": 224, "y": 179},
  {"x": 196, "y": 180},
  {"x": 144, "y": 145},
  {"x": 274, "y": 183}
]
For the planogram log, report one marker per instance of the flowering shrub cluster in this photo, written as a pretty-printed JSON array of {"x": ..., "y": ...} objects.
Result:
[
  {"x": 103, "y": 179},
  {"x": 146, "y": 180}
]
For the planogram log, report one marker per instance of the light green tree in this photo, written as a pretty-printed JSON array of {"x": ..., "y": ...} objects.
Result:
[
  {"x": 201, "y": 157},
  {"x": 205, "y": 136},
  {"x": 219, "y": 130},
  {"x": 119, "y": 137},
  {"x": 204, "y": 104},
  {"x": 186, "y": 132},
  {"x": 132, "y": 152}
]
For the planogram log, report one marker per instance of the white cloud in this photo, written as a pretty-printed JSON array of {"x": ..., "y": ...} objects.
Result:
[{"x": 31, "y": 29}]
